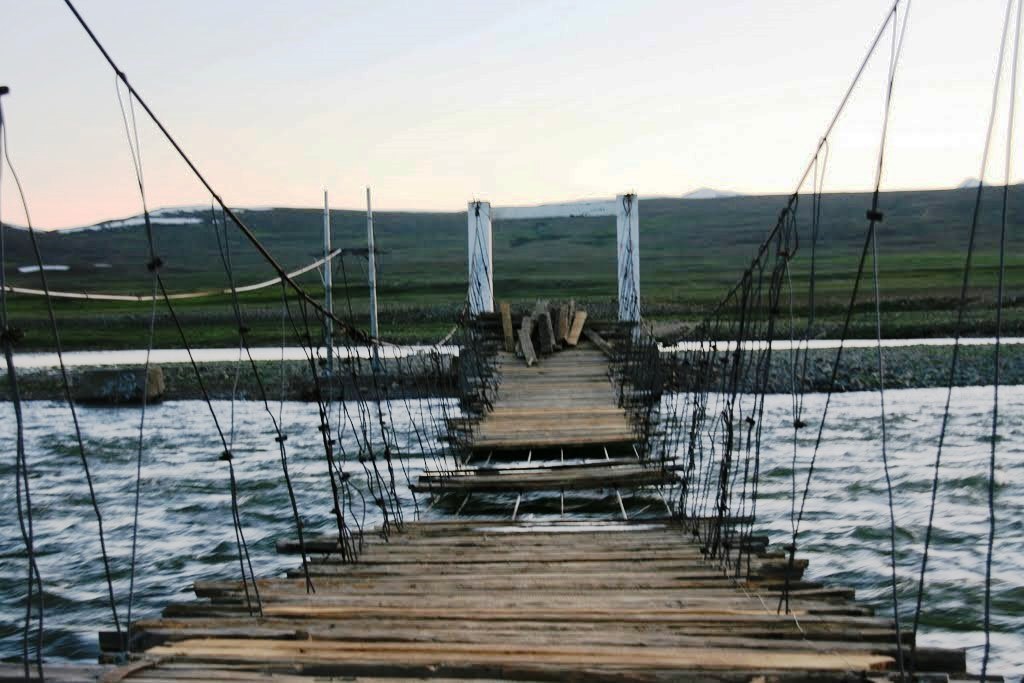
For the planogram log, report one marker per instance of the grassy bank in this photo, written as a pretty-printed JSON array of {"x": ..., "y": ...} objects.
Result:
[{"x": 692, "y": 252}]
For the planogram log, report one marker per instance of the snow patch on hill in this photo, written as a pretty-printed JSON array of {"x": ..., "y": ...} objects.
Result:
[
  {"x": 46, "y": 266},
  {"x": 589, "y": 207},
  {"x": 709, "y": 193}
]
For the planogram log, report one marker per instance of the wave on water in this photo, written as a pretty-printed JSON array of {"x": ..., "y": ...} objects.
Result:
[{"x": 186, "y": 534}]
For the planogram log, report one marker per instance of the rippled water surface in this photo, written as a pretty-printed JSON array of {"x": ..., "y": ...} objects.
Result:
[{"x": 186, "y": 533}]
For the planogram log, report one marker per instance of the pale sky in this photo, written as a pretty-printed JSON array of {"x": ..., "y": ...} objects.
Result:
[{"x": 436, "y": 103}]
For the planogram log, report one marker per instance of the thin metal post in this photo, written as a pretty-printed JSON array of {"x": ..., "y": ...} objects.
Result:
[
  {"x": 372, "y": 267},
  {"x": 328, "y": 288}
]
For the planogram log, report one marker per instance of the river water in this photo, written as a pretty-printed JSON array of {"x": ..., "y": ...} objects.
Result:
[{"x": 186, "y": 534}]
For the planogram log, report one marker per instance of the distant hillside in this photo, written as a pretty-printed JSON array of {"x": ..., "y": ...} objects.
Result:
[{"x": 691, "y": 251}]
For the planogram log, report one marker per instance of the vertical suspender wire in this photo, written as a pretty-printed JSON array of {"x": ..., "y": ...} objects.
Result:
[
  {"x": 220, "y": 227},
  {"x": 226, "y": 455},
  {"x": 135, "y": 149},
  {"x": 283, "y": 452},
  {"x": 335, "y": 474},
  {"x": 714, "y": 317},
  {"x": 21, "y": 487},
  {"x": 898, "y": 35},
  {"x": 346, "y": 415},
  {"x": 961, "y": 312},
  {"x": 999, "y": 328},
  {"x": 66, "y": 387}
]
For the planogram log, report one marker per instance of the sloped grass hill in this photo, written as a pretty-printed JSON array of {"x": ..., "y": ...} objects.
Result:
[{"x": 692, "y": 251}]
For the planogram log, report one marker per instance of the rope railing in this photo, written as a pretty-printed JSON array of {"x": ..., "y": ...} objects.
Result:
[{"x": 173, "y": 296}]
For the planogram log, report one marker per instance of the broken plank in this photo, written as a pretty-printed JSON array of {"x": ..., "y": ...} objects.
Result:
[
  {"x": 506, "y": 326},
  {"x": 573, "y": 338}
]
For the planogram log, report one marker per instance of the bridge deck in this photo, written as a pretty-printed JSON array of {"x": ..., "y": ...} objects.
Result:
[
  {"x": 595, "y": 475},
  {"x": 553, "y": 600},
  {"x": 566, "y": 400},
  {"x": 519, "y": 601}
]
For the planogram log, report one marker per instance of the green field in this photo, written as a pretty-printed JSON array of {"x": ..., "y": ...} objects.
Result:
[{"x": 692, "y": 252}]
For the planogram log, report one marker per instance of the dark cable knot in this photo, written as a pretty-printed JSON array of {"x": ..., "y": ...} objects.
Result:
[
  {"x": 799, "y": 424},
  {"x": 155, "y": 264},
  {"x": 226, "y": 456},
  {"x": 12, "y": 335},
  {"x": 875, "y": 215},
  {"x": 749, "y": 420},
  {"x": 281, "y": 439},
  {"x": 323, "y": 428},
  {"x": 345, "y": 476},
  {"x": 380, "y": 502},
  {"x": 243, "y": 330}
]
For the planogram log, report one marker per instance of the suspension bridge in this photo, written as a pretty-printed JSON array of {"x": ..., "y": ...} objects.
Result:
[{"x": 571, "y": 518}]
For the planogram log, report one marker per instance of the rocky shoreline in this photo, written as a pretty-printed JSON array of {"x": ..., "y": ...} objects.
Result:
[
  {"x": 411, "y": 377},
  {"x": 909, "y": 367}
]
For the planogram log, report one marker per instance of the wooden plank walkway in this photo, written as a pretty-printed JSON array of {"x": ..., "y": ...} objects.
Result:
[
  {"x": 484, "y": 599},
  {"x": 498, "y": 600},
  {"x": 596, "y": 475},
  {"x": 567, "y": 399}
]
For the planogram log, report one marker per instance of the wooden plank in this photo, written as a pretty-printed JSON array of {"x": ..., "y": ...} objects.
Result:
[
  {"x": 442, "y": 654},
  {"x": 58, "y": 673},
  {"x": 566, "y": 478},
  {"x": 599, "y": 341},
  {"x": 506, "y": 326},
  {"x": 563, "y": 323},
  {"x": 545, "y": 331},
  {"x": 525, "y": 342},
  {"x": 580, "y": 319}
]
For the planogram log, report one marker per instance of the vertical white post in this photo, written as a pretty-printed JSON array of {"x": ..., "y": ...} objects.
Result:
[
  {"x": 481, "y": 266},
  {"x": 627, "y": 231},
  {"x": 328, "y": 287},
  {"x": 371, "y": 257}
]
